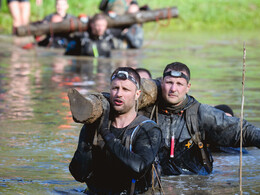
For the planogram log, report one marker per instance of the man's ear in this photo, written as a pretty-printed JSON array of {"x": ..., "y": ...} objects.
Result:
[
  {"x": 137, "y": 94},
  {"x": 188, "y": 87}
]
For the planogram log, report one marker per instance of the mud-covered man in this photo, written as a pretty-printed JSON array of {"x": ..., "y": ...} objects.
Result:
[
  {"x": 188, "y": 126},
  {"x": 58, "y": 40},
  {"x": 115, "y": 154}
]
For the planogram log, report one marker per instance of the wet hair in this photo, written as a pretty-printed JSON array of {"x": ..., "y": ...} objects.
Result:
[
  {"x": 98, "y": 16},
  {"x": 225, "y": 108},
  {"x": 178, "y": 66},
  {"x": 138, "y": 70},
  {"x": 132, "y": 72}
]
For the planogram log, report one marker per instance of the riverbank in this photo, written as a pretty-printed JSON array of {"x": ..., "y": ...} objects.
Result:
[{"x": 199, "y": 15}]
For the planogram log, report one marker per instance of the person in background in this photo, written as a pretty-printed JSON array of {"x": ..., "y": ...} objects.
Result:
[
  {"x": 61, "y": 7},
  {"x": 20, "y": 11},
  {"x": 117, "y": 7},
  {"x": 231, "y": 150},
  {"x": 116, "y": 152},
  {"x": 189, "y": 126},
  {"x": 133, "y": 34},
  {"x": 144, "y": 73},
  {"x": 225, "y": 108},
  {"x": 58, "y": 40},
  {"x": 97, "y": 41}
]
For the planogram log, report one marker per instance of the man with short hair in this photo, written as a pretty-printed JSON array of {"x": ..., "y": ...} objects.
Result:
[
  {"x": 188, "y": 126},
  {"x": 116, "y": 152}
]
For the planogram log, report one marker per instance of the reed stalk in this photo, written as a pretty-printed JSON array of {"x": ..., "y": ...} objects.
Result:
[{"x": 241, "y": 117}]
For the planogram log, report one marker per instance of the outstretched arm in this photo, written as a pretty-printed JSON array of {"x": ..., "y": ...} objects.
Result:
[{"x": 225, "y": 130}]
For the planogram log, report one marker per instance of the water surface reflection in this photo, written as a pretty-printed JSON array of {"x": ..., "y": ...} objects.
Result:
[{"x": 38, "y": 136}]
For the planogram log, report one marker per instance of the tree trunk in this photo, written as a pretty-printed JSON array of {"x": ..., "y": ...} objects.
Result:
[
  {"x": 72, "y": 25},
  {"x": 88, "y": 109}
]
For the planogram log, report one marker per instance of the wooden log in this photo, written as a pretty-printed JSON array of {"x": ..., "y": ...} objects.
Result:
[
  {"x": 88, "y": 109},
  {"x": 149, "y": 93},
  {"x": 142, "y": 17},
  {"x": 73, "y": 25},
  {"x": 66, "y": 26},
  {"x": 84, "y": 110}
]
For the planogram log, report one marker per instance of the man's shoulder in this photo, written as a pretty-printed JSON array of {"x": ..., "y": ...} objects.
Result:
[
  {"x": 69, "y": 16},
  {"x": 147, "y": 124},
  {"x": 48, "y": 17},
  {"x": 142, "y": 121},
  {"x": 108, "y": 35},
  {"x": 138, "y": 121},
  {"x": 194, "y": 107},
  {"x": 146, "y": 127}
]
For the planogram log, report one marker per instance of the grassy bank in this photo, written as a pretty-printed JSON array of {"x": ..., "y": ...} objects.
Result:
[{"x": 196, "y": 15}]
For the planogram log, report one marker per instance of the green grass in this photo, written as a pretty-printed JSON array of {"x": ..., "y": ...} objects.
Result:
[{"x": 194, "y": 15}]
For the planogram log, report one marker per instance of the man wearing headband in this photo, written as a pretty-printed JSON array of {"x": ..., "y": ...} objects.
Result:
[
  {"x": 189, "y": 126},
  {"x": 115, "y": 154}
]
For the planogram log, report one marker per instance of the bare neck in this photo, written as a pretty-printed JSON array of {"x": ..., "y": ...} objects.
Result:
[{"x": 123, "y": 120}]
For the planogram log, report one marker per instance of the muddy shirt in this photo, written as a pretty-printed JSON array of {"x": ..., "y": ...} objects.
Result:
[
  {"x": 58, "y": 40},
  {"x": 113, "y": 166},
  {"x": 216, "y": 129},
  {"x": 97, "y": 46}
]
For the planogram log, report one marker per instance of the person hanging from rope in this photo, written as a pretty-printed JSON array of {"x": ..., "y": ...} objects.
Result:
[
  {"x": 116, "y": 153},
  {"x": 188, "y": 126}
]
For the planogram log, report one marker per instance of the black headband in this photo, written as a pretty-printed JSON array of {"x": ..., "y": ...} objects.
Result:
[
  {"x": 125, "y": 75},
  {"x": 176, "y": 74}
]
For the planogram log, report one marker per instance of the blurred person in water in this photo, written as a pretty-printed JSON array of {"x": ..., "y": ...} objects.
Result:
[
  {"x": 118, "y": 7},
  {"x": 58, "y": 40},
  {"x": 189, "y": 126},
  {"x": 116, "y": 152},
  {"x": 132, "y": 35},
  {"x": 98, "y": 40}
]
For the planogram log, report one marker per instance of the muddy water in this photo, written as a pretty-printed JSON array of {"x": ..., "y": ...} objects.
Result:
[{"x": 38, "y": 136}]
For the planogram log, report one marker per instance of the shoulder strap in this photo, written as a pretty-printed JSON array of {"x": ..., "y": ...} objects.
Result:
[
  {"x": 191, "y": 116},
  {"x": 193, "y": 127},
  {"x": 133, "y": 134},
  {"x": 137, "y": 124},
  {"x": 139, "y": 119},
  {"x": 129, "y": 142}
]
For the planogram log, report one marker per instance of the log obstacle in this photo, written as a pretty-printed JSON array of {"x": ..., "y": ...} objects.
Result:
[
  {"x": 74, "y": 24},
  {"x": 88, "y": 109}
]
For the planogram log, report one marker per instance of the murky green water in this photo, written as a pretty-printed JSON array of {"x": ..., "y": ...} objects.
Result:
[{"x": 38, "y": 136}]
